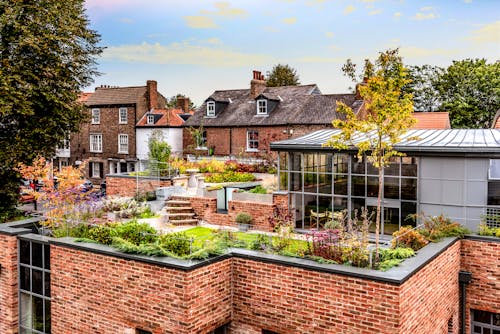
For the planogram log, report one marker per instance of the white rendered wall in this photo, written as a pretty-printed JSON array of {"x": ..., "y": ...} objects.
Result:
[{"x": 173, "y": 136}]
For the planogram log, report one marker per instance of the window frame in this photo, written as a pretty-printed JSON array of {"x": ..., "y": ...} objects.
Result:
[
  {"x": 150, "y": 119},
  {"x": 261, "y": 107},
  {"x": 96, "y": 116},
  {"x": 95, "y": 172},
  {"x": 98, "y": 148},
  {"x": 252, "y": 140},
  {"x": 122, "y": 120},
  {"x": 210, "y": 109},
  {"x": 120, "y": 136}
]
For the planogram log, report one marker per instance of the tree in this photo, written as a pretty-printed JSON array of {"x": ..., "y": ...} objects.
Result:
[
  {"x": 172, "y": 102},
  {"x": 159, "y": 149},
  {"x": 423, "y": 87},
  {"x": 282, "y": 75},
  {"x": 388, "y": 116},
  {"x": 47, "y": 55},
  {"x": 470, "y": 91}
]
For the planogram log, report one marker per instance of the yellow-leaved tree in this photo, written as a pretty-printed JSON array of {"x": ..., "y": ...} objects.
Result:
[{"x": 385, "y": 116}]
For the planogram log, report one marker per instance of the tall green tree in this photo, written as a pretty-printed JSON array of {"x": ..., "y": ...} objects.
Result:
[
  {"x": 159, "y": 149},
  {"x": 423, "y": 87},
  {"x": 47, "y": 56},
  {"x": 388, "y": 116},
  {"x": 470, "y": 92},
  {"x": 282, "y": 75}
]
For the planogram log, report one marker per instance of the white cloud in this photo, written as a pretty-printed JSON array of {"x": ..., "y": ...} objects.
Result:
[
  {"x": 397, "y": 14},
  {"x": 489, "y": 33},
  {"x": 467, "y": 1},
  {"x": 375, "y": 12},
  {"x": 200, "y": 22},
  {"x": 425, "y": 16},
  {"x": 426, "y": 9},
  {"x": 349, "y": 9},
  {"x": 329, "y": 34},
  {"x": 418, "y": 52},
  {"x": 126, "y": 20},
  {"x": 224, "y": 9},
  {"x": 184, "y": 53},
  {"x": 290, "y": 20}
]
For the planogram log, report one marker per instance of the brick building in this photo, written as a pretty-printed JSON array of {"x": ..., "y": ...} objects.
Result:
[
  {"x": 108, "y": 139},
  {"x": 61, "y": 286}
]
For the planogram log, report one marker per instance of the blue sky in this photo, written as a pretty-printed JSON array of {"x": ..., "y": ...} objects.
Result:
[{"x": 194, "y": 47}]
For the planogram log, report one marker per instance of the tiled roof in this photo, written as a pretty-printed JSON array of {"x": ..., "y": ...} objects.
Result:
[
  {"x": 431, "y": 120},
  {"x": 116, "y": 95},
  {"x": 496, "y": 121},
  {"x": 298, "y": 105},
  {"x": 83, "y": 97},
  {"x": 163, "y": 118}
]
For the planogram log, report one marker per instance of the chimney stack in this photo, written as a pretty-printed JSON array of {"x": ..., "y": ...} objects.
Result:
[
  {"x": 152, "y": 94},
  {"x": 183, "y": 103},
  {"x": 257, "y": 85}
]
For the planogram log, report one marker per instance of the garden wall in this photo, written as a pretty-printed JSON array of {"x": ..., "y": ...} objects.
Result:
[
  {"x": 124, "y": 185},
  {"x": 8, "y": 284},
  {"x": 481, "y": 257}
]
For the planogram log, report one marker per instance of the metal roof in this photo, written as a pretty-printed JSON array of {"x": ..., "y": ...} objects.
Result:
[{"x": 449, "y": 141}]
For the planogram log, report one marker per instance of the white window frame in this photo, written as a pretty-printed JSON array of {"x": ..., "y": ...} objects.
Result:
[
  {"x": 123, "y": 115},
  {"x": 249, "y": 141},
  {"x": 96, "y": 170},
  {"x": 262, "y": 107},
  {"x": 150, "y": 119},
  {"x": 96, "y": 116},
  {"x": 494, "y": 169},
  {"x": 210, "y": 109},
  {"x": 120, "y": 136},
  {"x": 96, "y": 144}
]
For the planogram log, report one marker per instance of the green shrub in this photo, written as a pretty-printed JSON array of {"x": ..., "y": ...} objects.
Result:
[
  {"x": 102, "y": 234},
  {"x": 387, "y": 264},
  {"x": 408, "y": 237},
  {"x": 399, "y": 253},
  {"x": 243, "y": 218},
  {"x": 262, "y": 243},
  {"x": 136, "y": 233},
  {"x": 258, "y": 190},
  {"x": 177, "y": 243},
  {"x": 229, "y": 176},
  {"x": 438, "y": 227},
  {"x": 485, "y": 230}
]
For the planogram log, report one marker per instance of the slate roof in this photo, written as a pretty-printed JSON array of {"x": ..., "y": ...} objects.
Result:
[
  {"x": 163, "y": 118},
  {"x": 116, "y": 95},
  {"x": 431, "y": 120},
  {"x": 298, "y": 105},
  {"x": 448, "y": 141}
]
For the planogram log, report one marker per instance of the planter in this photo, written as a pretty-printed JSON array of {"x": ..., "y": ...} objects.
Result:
[{"x": 243, "y": 227}]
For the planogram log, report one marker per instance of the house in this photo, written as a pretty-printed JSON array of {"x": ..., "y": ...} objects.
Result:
[
  {"x": 108, "y": 139},
  {"x": 432, "y": 120},
  {"x": 245, "y": 121},
  {"x": 455, "y": 172}
]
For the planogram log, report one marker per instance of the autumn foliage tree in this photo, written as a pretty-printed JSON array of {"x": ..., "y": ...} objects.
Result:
[{"x": 387, "y": 117}]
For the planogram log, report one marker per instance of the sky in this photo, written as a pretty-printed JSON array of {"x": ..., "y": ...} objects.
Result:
[{"x": 195, "y": 47}]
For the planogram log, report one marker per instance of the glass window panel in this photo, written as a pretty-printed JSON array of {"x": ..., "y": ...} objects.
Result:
[
  {"x": 482, "y": 316},
  {"x": 37, "y": 281},
  {"x": 496, "y": 319},
  {"x": 36, "y": 254},
  {"x": 310, "y": 182},
  {"x": 408, "y": 211},
  {"x": 310, "y": 204},
  {"x": 46, "y": 249},
  {"x": 494, "y": 172},
  {"x": 283, "y": 156},
  {"x": 325, "y": 163},
  {"x": 341, "y": 161},
  {"x": 494, "y": 193},
  {"x": 25, "y": 251},
  {"x": 325, "y": 183},
  {"x": 393, "y": 167},
  {"x": 409, "y": 166},
  {"x": 391, "y": 187},
  {"x": 477, "y": 330},
  {"x": 409, "y": 189},
  {"x": 356, "y": 205},
  {"x": 358, "y": 186},
  {"x": 340, "y": 184},
  {"x": 357, "y": 165},
  {"x": 25, "y": 331},
  {"x": 37, "y": 313},
  {"x": 309, "y": 162},
  {"x": 26, "y": 313},
  {"x": 47, "y": 316},
  {"x": 486, "y": 331},
  {"x": 370, "y": 169},
  {"x": 298, "y": 211},
  {"x": 391, "y": 220},
  {"x": 295, "y": 161},
  {"x": 296, "y": 181},
  {"x": 372, "y": 186},
  {"x": 24, "y": 278},
  {"x": 339, "y": 203},
  {"x": 283, "y": 180},
  {"x": 46, "y": 284},
  {"x": 496, "y": 331},
  {"x": 324, "y": 203}
]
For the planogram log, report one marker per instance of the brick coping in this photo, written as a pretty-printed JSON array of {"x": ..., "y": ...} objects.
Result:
[{"x": 396, "y": 275}]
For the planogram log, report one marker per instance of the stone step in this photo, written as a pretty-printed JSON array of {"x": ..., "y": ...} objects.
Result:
[
  {"x": 179, "y": 214},
  {"x": 177, "y": 202},
  {"x": 184, "y": 222},
  {"x": 177, "y": 208}
]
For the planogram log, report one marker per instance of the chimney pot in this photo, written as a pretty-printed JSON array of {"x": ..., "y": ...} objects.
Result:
[{"x": 257, "y": 84}]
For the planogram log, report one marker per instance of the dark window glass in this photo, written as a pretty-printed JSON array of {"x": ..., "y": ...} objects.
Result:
[
  {"x": 46, "y": 284},
  {"x": 25, "y": 278},
  {"x": 482, "y": 316},
  {"x": 486, "y": 331},
  {"x": 309, "y": 162},
  {"x": 283, "y": 180},
  {"x": 310, "y": 182},
  {"x": 358, "y": 204},
  {"x": 36, "y": 254},
  {"x": 357, "y": 165},
  {"x": 220, "y": 330},
  {"x": 25, "y": 251},
  {"x": 408, "y": 211},
  {"x": 142, "y": 331},
  {"x": 341, "y": 162},
  {"x": 408, "y": 166},
  {"x": 496, "y": 319},
  {"x": 494, "y": 193},
  {"x": 477, "y": 330},
  {"x": 358, "y": 185},
  {"x": 37, "y": 313},
  {"x": 37, "y": 281},
  {"x": 296, "y": 181},
  {"x": 496, "y": 331},
  {"x": 391, "y": 220},
  {"x": 393, "y": 167},
  {"x": 325, "y": 183},
  {"x": 391, "y": 187},
  {"x": 372, "y": 186},
  {"x": 47, "y": 316},
  {"x": 265, "y": 331},
  {"x": 339, "y": 203},
  {"x": 325, "y": 163},
  {"x": 409, "y": 189},
  {"x": 371, "y": 170},
  {"x": 295, "y": 161},
  {"x": 340, "y": 184},
  {"x": 46, "y": 249},
  {"x": 283, "y": 156}
]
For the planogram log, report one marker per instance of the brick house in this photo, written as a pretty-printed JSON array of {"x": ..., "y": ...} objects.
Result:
[
  {"x": 108, "y": 139},
  {"x": 245, "y": 121}
]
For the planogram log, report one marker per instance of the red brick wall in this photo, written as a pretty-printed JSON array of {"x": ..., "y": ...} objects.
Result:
[
  {"x": 8, "y": 285},
  {"x": 127, "y": 186},
  {"x": 431, "y": 296},
  {"x": 293, "y": 300},
  {"x": 482, "y": 258},
  {"x": 95, "y": 293}
]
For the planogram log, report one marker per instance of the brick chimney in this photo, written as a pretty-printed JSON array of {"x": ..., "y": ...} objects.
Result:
[
  {"x": 257, "y": 84},
  {"x": 183, "y": 103},
  {"x": 152, "y": 94},
  {"x": 363, "y": 83}
]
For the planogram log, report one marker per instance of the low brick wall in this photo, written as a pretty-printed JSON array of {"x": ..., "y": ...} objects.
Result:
[
  {"x": 8, "y": 285},
  {"x": 123, "y": 185},
  {"x": 481, "y": 257}
]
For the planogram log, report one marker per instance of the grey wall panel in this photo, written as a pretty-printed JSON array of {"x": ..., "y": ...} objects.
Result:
[
  {"x": 452, "y": 192},
  {"x": 476, "y": 193}
]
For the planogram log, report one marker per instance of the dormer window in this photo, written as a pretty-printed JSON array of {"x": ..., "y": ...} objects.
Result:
[
  {"x": 261, "y": 107},
  {"x": 211, "y": 109},
  {"x": 151, "y": 119}
]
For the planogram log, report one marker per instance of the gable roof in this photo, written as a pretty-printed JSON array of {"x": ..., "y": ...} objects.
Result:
[
  {"x": 431, "y": 120},
  {"x": 163, "y": 118},
  {"x": 496, "y": 121},
  {"x": 116, "y": 95},
  {"x": 298, "y": 105}
]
